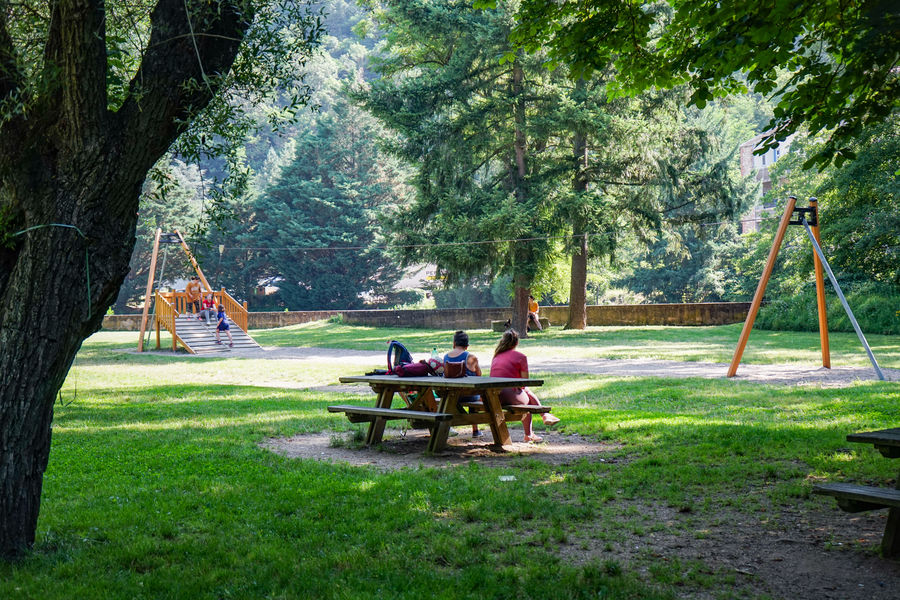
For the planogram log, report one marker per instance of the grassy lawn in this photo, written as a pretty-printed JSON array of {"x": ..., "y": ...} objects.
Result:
[
  {"x": 708, "y": 344},
  {"x": 157, "y": 488}
]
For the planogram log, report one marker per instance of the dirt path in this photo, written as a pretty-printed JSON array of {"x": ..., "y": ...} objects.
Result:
[{"x": 779, "y": 374}]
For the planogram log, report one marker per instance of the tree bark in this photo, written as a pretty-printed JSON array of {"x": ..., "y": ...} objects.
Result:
[
  {"x": 520, "y": 306},
  {"x": 522, "y": 260},
  {"x": 578, "y": 279},
  {"x": 578, "y": 284},
  {"x": 70, "y": 181}
]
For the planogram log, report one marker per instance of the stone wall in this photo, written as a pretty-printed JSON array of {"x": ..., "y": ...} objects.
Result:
[{"x": 706, "y": 313}]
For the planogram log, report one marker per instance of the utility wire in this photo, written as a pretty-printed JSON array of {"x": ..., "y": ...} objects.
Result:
[{"x": 471, "y": 243}]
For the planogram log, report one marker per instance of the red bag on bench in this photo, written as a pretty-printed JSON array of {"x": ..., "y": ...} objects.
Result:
[{"x": 415, "y": 369}]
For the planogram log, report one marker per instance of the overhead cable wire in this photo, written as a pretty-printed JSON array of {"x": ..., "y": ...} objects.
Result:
[{"x": 469, "y": 243}]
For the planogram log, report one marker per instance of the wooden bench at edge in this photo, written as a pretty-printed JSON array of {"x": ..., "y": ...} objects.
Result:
[
  {"x": 854, "y": 498},
  {"x": 858, "y": 498},
  {"x": 363, "y": 414}
]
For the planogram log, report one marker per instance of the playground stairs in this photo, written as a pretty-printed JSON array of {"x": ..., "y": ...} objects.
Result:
[{"x": 199, "y": 338}]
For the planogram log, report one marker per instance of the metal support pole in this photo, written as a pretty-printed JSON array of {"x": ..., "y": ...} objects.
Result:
[{"x": 837, "y": 288}]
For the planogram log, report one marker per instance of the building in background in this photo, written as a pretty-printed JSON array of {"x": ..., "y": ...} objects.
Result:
[{"x": 758, "y": 165}]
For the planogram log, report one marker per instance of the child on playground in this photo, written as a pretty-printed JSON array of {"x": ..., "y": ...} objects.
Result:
[
  {"x": 222, "y": 325},
  {"x": 208, "y": 308},
  {"x": 508, "y": 362},
  {"x": 460, "y": 354},
  {"x": 192, "y": 291}
]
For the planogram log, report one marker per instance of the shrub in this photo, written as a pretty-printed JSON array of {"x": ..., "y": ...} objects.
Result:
[{"x": 874, "y": 305}]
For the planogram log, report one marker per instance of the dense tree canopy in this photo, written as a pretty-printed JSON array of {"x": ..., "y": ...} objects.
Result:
[
  {"x": 830, "y": 65},
  {"x": 471, "y": 127},
  {"x": 329, "y": 196}
]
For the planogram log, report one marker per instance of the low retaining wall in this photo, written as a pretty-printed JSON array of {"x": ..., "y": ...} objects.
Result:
[{"x": 705, "y": 313}]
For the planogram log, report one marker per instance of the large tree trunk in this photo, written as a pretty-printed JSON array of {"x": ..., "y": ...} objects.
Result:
[
  {"x": 578, "y": 280},
  {"x": 70, "y": 180},
  {"x": 578, "y": 284},
  {"x": 520, "y": 306},
  {"x": 523, "y": 266}
]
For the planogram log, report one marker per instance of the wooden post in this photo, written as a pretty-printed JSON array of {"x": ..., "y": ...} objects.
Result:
[
  {"x": 147, "y": 292},
  {"x": 761, "y": 288},
  {"x": 820, "y": 289},
  {"x": 890, "y": 543},
  {"x": 194, "y": 263},
  {"x": 157, "y": 331}
]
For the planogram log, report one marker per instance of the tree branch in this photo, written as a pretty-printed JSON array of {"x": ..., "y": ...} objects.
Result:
[
  {"x": 75, "y": 71},
  {"x": 11, "y": 77},
  {"x": 181, "y": 70},
  {"x": 12, "y": 94}
]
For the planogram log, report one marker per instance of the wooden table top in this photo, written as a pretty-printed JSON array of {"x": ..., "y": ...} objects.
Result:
[
  {"x": 884, "y": 437},
  {"x": 441, "y": 383}
]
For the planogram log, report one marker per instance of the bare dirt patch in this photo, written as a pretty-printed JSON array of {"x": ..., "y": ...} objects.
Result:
[
  {"x": 790, "y": 552},
  {"x": 795, "y": 553},
  {"x": 408, "y": 451}
]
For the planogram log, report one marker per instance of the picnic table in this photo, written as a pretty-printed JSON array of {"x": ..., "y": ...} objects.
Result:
[
  {"x": 857, "y": 498},
  {"x": 435, "y": 405}
]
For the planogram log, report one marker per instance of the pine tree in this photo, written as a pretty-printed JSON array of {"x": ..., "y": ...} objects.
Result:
[
  {"x": 470, "y": 125},
  {"x": 329, "y": 196}
]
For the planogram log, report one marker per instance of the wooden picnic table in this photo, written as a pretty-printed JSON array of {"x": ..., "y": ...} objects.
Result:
[
  {"x": 858, "y": 498},
  {"x": 436, "y": 405}
]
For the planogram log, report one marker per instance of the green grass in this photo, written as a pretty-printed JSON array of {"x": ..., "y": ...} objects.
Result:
[
  {"x": 157, "y": 487},
  {"x": 707, "y": 344}
]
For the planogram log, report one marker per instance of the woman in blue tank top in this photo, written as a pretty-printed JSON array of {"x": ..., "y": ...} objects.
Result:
[{"x": 461, "y": 354}]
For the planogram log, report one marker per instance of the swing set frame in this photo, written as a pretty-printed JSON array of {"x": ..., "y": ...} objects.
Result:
[{"x": 820, "y": 265}]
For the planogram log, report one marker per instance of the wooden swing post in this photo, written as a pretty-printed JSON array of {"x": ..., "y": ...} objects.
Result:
[
  {"x": 194, "y": 262},
  {"x": 147, "y": 292},
  {"x": 820, "y": 288},
  {"x": 761, "y": 288}
]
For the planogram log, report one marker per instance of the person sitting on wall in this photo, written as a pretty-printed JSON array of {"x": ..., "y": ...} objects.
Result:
[{"x": 533, "y": 318}]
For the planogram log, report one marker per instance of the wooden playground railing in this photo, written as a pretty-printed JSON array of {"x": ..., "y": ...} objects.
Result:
[
  {"x": 236, "y": 311},
  {"x": 166, "y": 316}
]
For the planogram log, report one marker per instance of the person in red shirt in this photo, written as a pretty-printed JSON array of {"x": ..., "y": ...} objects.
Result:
[
  {"x": 209, "y": 309},
  {"x": 509, "y": 362}
]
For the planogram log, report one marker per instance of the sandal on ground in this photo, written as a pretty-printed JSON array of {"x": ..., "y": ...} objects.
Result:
[
  {"x": 533, "y": 438},
  {"x": 218, "y": 342},
  {"x": 550, "y": 420},
  {"x": 231, "y": 345}
]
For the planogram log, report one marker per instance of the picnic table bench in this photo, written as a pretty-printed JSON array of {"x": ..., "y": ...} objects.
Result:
[
  {"x": 436, "y": 405},
  {"x": 858, "y": 498}
]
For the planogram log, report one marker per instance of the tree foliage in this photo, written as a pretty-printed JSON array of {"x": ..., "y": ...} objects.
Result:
[
  {"x": 92, "y": 94},
  {"x": 471, "y": 127},
  {"x": 329, "y": 196},
  {"x": 841, "y": 57}
]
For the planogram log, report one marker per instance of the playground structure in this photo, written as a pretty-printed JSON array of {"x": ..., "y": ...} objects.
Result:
[
  {"x": 809, "y": 219},
  {"x": 170, "y": 308}
]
